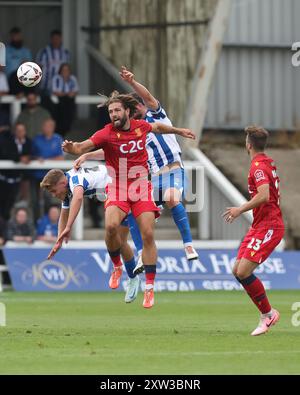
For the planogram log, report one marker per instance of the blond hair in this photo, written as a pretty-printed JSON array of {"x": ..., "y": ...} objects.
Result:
[{"x": 51, "y": 178}]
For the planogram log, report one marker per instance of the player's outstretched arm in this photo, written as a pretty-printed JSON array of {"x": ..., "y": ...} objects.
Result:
[
  {"x": 161, "y": 128},
  {"x": 63, "y": 219},
  {"x": 75, "y": 206},
  {"x": 94, "y": 155},
  {"x": 149, "y": 100},
  {"x": 65, "y": 235},
  {"x": 62, "y": 222},
  {"x": 77, "y": 148},
  {"x": 262, "y": 196}
]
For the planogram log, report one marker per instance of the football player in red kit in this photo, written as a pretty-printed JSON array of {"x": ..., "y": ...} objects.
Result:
[
  {"x": 267, "y": 229},
  {"x": 123, "y": 142}
]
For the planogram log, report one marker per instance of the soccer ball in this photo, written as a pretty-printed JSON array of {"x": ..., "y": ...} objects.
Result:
[{"x": 29, "y": 74}]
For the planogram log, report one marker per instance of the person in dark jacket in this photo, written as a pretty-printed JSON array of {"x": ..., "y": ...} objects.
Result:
[
  {"x": 20, "y": 228},
  {"x": 15, "y": 147}
]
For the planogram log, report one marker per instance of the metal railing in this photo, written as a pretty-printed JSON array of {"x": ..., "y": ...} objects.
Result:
[
  {"x": 219, "y": 194},
  {"x": 16, "y": 104},
  {"x": 68, "y": 164}
]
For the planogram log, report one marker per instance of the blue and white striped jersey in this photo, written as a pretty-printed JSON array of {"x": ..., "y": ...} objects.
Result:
[
  {"x": 92, "y": 180},
  {"x": 162, "y": 149},
  {"x": 60, "y": 85},
  {"x": 51, "y": 59}
]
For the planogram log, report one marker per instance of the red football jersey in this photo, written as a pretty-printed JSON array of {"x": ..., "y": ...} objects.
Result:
[
  {"x": 263, "y": 171},
  {"x": 125, "y": 151}
]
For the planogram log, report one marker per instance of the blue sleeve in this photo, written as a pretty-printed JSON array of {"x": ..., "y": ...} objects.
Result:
[
  {"x": 40, "y": 229},
  {"x": 58, "y": 150},
  {"x": 35, "y": 148},
  {"x": 75, "y": 87}
]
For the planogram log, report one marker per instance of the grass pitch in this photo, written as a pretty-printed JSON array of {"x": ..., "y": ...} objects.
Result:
[{"x": 184, "y": 333}]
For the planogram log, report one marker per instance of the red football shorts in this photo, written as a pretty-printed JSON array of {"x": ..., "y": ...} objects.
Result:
[
  {"x": 137, "y": 198},
  {"x": 258, "y": 244}
]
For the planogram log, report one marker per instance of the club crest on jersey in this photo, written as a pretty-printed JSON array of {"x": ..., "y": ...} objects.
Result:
[
  {"x": 138, "y": 132},
  {"x": 268, "y": 236},
  {"x": 259, "y": 175},
  {"x": 118, "y": 135},
  {"x": 252, "y": 253}
]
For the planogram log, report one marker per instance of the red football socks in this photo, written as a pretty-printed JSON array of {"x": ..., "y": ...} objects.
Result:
[{"x": 255, "y": 289}]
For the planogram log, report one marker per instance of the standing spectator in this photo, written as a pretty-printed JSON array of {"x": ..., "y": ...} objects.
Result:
[
  {"x": 50, "y": 59},
  {"x": 16, "y": 54},
  {"x": 11, "y": 149},
  {"x": 4, "y": 90},
  {"x": 47, "y": 226},
  {"x": 20, "y": 228},
  {"x": 33, "y": 115},
  {"x": 65, "y": 87},
  {"x": 46, "y": 145}
]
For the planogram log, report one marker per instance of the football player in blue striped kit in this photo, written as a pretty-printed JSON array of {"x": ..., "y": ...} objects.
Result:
[
  {"x": 70, "y": 187},
  {"x": 165, "y": 164}
]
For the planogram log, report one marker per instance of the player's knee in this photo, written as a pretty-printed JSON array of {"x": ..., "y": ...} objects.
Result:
[
  {"x": 148, "y": 237},
  {"x": 111, "y": 228},
  {"x": 235, "y": 269},
  {"x": 172, "y": 202},
  {"x": 241, "y": 274},
  {"x": 172, "y": 197}
]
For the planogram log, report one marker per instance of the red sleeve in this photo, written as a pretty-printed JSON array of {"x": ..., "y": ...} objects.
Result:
[
  {"x": 99, "y": 138},
  {"x": 260, "y": 175},
  {"x": 147, "y": 127}
]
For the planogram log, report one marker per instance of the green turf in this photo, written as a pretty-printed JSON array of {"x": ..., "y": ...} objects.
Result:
[{"x": 185, "y": 333}]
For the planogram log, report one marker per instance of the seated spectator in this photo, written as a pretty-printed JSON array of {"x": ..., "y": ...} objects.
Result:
[
  {"x": 23, "y": 143},
  {"x": 65, "y": 87},
  {"x": 24, "y": 147},
  {"x": 46, "y": 145},
  {"x": 47, "y": 226},
  {"x": 16, "y": 150},
  {"x": 16, "y": 54},
  {"x": 20, "y": 228},
  {"x": 33, "y": 115}
]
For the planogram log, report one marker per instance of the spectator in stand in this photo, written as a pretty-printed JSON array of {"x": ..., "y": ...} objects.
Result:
[
  {"x": 65, "y": 87},
  {"x": 18, "y": 150},
  {"x": 24, "y": 148},
  {"x": 47, "y": 226},
  {"x": 33, "y": 115},
  {"x": 20, "y": 227},
  {"x": 4, "y": 90},
  {"x": 16, "y": 54},
  {"x": 46, "y": 145},
  {"x": 50, "y": 59}
]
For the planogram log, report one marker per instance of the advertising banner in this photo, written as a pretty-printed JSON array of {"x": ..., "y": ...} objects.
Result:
[{"x": 89, "y": 270}]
